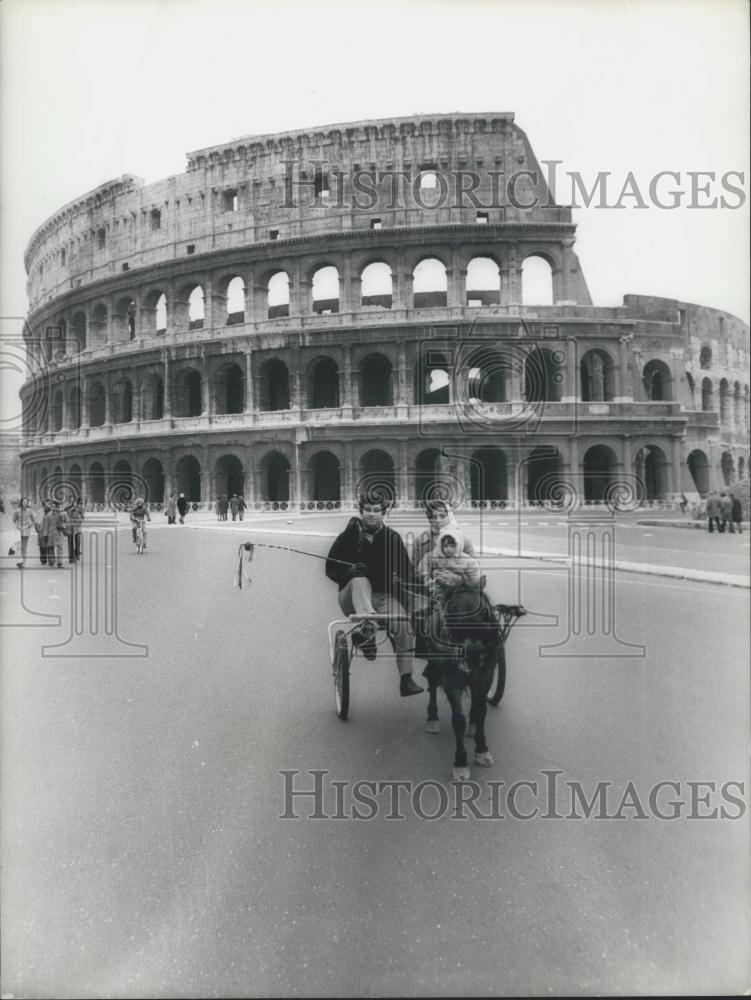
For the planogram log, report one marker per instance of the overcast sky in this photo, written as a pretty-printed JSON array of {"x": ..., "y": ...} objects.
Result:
[{"x": 92, "y": 90}]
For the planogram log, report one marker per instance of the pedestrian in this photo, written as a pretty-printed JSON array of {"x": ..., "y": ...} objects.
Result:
[
  {"x": 23, "y": 518},
  {"x": 218, "y": 508},
  {"x": 684, "y": 503},
  {"x": 171, "y": 509},
  {"x": 77, "y": 514},
  {"x": 223, "y": 507},
  {"x": 726, "y": 509},
  {"x": 713, "y": 512},
  {"x": 234, "y": 506},
  {"x": 40, "y": 523},
  {"x": 241, "y": 505},
  {"x": 182, "y": 507},
  {"x": 736, "y": 516},
  {"x": 56, "y": 528}
]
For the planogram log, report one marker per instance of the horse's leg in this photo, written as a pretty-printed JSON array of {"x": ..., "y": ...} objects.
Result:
[
  {"x": 458, "y": 722},
  {"x": 431, "y": 674},
  {"x": 480, "y": 689}
]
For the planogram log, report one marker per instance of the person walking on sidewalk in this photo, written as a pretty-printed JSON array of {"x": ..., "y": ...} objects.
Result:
[
  {"x": 234, "y": 506},
  {"x": 182, "y": 507},
  {"x": 77, "y": 515},
  {"x": 171, "y": 509},
  {"x": 713, "y": 512},
  {"x": 23, "y": 518},
  {"x": 241, "y": 505},
  {"x": 736, "y": 515},
  {"x": 40, "y": 525}
]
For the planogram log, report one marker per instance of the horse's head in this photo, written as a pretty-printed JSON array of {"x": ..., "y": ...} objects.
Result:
[{"x": 471, "y": 623}]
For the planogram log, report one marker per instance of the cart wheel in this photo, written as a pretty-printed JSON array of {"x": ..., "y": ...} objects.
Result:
[
  {"x": 341, "y": 674},
  {"x": 498, "y": 683}
]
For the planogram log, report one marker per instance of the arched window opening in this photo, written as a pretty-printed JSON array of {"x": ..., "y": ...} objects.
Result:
[
  {"x": 323, "y": 392},
  {"x": 377, "y": 476},
  {"x": 651, "y": 468},
  {"x": 705, "y": 357},
  {"x": 96, "y": 483},
  {"x": 275, "y": 476},
  {"x": 431, "y": 380},
  {"x": 376, "y": 381},
  {"x": 78, "y": 332},
  {"x": 188, "y": 476},
  {"x": 153, "y": 477},
  {"x": 96, "y": 405},
  {"x": 737, "y": 405},
  {"x": 273, "y": 386},
  {"x": 326, "y": 291},
  {"x": 657, "y": 380},
  {"x": 196, "y": 309},
  {"x": 278, "y": 295},
  {"x": 486, "y": 374},
  {"x": 598, "y": 468},
  {"x": 377, "y": 285},
  {"x": 326, "y": 478},
  {"x": 724, "y": 401},
  {"x": 707, "y": 395},
  {"x": 543, "y": 376},
  {"x": 597, "y": 374},
  {"x": 488, "y": 475},
  {"x": 726, "y": 465},
  {"x": 698, "y": 466},
  {"x": 153, "y": 400},
  {"x": 235, "y": 301},
  {"x": 230, "y": 389},
  {"x": 74, "y": 408},
  {"x": 429, "y": 284},
  {"x": 483, "y": 282},
  {"x": 537, "y": 282},
  {"x": 124, "y": 320},
  {"x": 122, "y": 402},
  {"x": 230, "y": 477},
  {"x": 189, "y": 394},
  {"x": 544, "y": 475},
  {"x": 99, "y": 325}
]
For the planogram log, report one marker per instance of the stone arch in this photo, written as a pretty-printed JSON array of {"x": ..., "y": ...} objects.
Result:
[
  {"x": 652, "y": 470},
  {"x": 429, "y": 284},
  {"x": 123, "y": 486},
  {"x": 537, "y": 281},
  {"x": 154, "y": 312},
  {"x": 724, "y": 401},
  {"x": 543, "y": 375},
  {"x": 277, "y": 295},
  {"x": 377, "y": 475},
  {"x": 235, "y": 300},
  {"x": 323, "y": 384},
  {"x": 325, "y": 289},
  {"x": 375, "y": 380},
  {"x": 737, "y": 405},
  {"x": 99, "y": 325},
  {"x": 153, "y": 477},
  {"x": 325, "y": 477},
  {"x": 188, "y": 477},
  {"x": 599, "y": 469},
  {"x": 489, "y": 475},
  {"x": 431, "y": 378},
  {"x": 377, "y": 285},
  {"x": 705, "y": 356},
  {"x": 430, "y": 479},
  {"x": 707, "y": 395},
  {"x": 229, "y": 388},
  {"x": 544, "y": 468},
  {"x": 483, "y": 282},
  {"x": 657, "y": 381},
  {"x": 698, "y": 466},
  {"x": 275, "y": 472},
  {"x": 189, "y": 307},
  {"x": 483, "y": 375},
  {"x": 273, "y": 386},
  {"x": 597, "y": 372},
  {"x": 189, "y": 394},
  {"x": 229, "y": 476},
  {"x": 121, "y": 395},
  {"x": 97, "y": 406}
]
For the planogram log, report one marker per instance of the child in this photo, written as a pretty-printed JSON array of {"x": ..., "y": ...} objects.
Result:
[{"x": 448, "y": 565}]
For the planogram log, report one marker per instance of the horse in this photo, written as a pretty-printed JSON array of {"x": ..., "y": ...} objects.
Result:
[{"x": 470, "y": 646}]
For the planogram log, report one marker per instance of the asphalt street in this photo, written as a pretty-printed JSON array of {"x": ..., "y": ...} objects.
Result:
[{"x": 144, "y": 849}]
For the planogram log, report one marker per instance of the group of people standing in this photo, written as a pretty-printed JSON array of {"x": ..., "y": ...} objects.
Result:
[
  {"x": 235, "y": 505},
  {"x": 58, "y": 528},
  {"x": 176, "y": 507},
  {"x": 724, "y": 512}
]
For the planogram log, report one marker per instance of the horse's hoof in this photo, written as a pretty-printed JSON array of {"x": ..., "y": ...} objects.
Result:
[
  {"x": 461, "y": 773},
  {"x": 484, "y": 759},
  {"x": 432, "y": 726},
  {"x": 471, "y": 727}
]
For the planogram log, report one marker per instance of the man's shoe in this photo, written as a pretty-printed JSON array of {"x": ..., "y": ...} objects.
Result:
[{"x": 407, "y": 686}]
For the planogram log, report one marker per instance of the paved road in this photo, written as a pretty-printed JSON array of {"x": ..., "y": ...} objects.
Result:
[{"x": 143, "y": 853}]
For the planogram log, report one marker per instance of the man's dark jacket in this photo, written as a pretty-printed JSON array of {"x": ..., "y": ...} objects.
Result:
[{"x": 385, "y": 558}]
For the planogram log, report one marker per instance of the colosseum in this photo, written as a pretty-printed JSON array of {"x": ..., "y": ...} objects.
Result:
[{"x": 300, "y": 313}]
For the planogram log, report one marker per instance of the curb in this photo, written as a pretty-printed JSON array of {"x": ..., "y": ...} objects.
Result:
[{"x": 698, "y": 525}]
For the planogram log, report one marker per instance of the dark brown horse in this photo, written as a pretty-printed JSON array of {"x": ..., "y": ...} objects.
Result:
[{"x": 463, "y": 657}]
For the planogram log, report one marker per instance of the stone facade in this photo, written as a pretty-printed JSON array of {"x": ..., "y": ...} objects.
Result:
[{"x": 267, "y": 323}]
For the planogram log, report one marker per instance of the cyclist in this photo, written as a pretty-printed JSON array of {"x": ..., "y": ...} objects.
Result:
[{"x": 139, "y": 516}]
